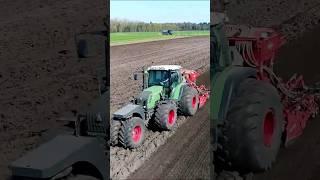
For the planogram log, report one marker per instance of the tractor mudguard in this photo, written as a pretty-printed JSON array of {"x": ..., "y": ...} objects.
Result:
[
  {"x": 128, "y": 111},
  {"x": 183, "y": 86},
  {"x": 223, "y": 86},
  {"x": 182, "y": 89},
  {"x": 60, "y": 153}
]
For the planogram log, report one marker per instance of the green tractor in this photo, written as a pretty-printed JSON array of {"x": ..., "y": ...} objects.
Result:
[{"x": 168, "y": 90}]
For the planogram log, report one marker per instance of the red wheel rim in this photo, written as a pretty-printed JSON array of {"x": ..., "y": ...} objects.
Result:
[
  {"x": 136, "y": 133},
  {"x": 194, "y": 102},
  {"x": 171, "y": 117},
  {"x": 268, "y": 128}
]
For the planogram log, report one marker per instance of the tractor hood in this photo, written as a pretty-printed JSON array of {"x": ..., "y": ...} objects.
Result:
[
  {"x": 58, "y": 154},
  {"x": 154, "y": 89},
  {"x": 149, "y": 96}
]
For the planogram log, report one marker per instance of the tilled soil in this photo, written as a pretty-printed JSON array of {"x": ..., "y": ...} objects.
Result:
[
  {"x": 125, "y": 60},
  {"x": 40, "y": 76},
  {"x": 291, "y": 17},
  {"x": 192, "y": 53}
]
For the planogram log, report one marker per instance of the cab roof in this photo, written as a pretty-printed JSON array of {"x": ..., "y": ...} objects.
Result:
[{"x": 164, "y": 67}]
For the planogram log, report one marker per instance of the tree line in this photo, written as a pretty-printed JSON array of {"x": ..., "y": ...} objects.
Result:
[{"x": 117, "y": 25}]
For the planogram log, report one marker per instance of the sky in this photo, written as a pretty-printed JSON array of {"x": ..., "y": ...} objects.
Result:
[{"x": 171, "y": 11}]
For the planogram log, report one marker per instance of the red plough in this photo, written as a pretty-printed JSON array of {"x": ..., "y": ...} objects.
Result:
[
  {"x": 258, "y": 47},
  {"x": 191, "y": 77}
]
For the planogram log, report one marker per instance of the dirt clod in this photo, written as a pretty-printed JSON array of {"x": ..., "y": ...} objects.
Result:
[{"x": 37, "y": 59}]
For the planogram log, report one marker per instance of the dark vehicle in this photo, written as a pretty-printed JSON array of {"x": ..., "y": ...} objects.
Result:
[{"x": 167, "y": 32}]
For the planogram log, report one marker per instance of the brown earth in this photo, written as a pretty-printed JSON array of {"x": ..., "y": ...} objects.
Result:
[
  {"x": 192, "y": 53},
  {"x": 40, "y": 76},
  {"x": 41, "y": 79},
  {"x": 291, "y": 17}
]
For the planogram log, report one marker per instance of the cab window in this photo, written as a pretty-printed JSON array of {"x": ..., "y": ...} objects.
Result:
[{"x": 156, "y": 77}]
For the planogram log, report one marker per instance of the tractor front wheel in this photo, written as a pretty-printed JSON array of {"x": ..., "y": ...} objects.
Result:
[
  {"x": 132, "y": 133},
  {"x": 250, "y": 137},
  {"x": 189, "y": 101},
  {"x": 166, "y": 116},
  {"x": 114, "y": 132}
]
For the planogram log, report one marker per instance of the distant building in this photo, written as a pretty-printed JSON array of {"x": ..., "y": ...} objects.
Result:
[{"x": 167, "y": 32}]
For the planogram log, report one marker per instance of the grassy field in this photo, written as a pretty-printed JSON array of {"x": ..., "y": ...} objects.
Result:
[{"x": 135, "y": 37}]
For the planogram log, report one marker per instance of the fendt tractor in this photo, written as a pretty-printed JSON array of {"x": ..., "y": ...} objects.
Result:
[
  {"x": 253, "y": 111},
  {"x": 168, "y": 90},
  {"x": 82, "y": 153}
]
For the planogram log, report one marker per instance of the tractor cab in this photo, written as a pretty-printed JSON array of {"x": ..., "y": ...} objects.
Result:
[
  {"x": 159, "y": 82},
  {"x": 164, "y": 75}
]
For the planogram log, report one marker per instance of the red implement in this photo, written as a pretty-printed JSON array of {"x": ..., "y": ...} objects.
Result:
[
  {"x": 191, "y": 77},
  {"x": 258, "y": 47}
]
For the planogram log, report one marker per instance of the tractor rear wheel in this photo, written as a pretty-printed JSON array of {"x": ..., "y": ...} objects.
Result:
[
  {"x": 132, "y": 133},
  {"x": 166, "y": 116},
  {"x": 250, "y": 138},
  {"x": 189, "y": 101}
]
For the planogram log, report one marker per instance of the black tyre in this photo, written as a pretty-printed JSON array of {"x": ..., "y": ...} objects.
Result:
[
  {"x": 166, "y": 116},
  {"x": 114, "y": 132},
  {"x": 132, "y": 133},
  {"x": 250, "y": 138},
  {"x": 189, "y": 101}
]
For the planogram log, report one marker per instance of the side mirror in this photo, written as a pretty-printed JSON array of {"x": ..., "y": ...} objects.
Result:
[{"x": 135, "y": 77}]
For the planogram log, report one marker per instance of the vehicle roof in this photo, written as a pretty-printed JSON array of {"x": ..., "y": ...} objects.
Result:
[{"x": 164, "y": 67}]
